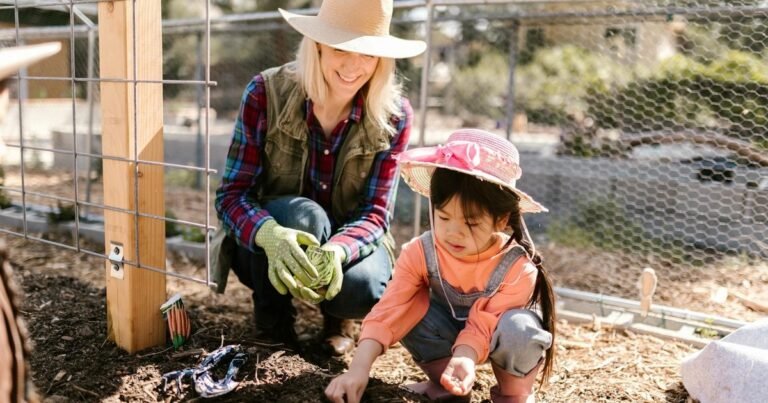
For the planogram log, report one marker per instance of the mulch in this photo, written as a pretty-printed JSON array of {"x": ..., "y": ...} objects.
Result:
[{"x": 74, "y": 361}]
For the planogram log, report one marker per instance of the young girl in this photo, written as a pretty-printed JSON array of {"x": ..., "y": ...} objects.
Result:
[{"x": 466, "y": 291}]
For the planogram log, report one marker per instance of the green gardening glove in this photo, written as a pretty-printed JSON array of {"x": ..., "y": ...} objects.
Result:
[
  {"x": 289, "y": 268},
  {"x": 332, "y": 269}
]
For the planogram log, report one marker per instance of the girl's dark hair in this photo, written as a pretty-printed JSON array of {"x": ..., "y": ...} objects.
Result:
[{"x": 478, "y": 197}]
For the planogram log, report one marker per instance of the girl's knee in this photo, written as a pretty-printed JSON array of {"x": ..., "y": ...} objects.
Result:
[
  {"x": 519, "y": 341},
  {"x": 521, "y": 325}
]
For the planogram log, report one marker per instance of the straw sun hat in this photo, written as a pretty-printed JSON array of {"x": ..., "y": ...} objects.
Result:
[
  {"x": 360, "y": 26},
  {"x": 14, "y": 58},
  {"x": 481, "y": 154}
]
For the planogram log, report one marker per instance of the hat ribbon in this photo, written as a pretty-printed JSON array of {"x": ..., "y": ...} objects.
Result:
[{"x": 466, "y": 155}]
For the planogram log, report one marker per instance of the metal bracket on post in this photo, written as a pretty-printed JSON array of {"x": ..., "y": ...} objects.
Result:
[{"x": 116, "y": 260}]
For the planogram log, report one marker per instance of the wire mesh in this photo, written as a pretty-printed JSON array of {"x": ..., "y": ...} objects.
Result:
[
  {"x": 642, "y": 125},
  {"x": 661, "y": 132}
]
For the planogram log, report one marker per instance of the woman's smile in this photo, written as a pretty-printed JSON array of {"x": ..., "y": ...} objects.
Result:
[
  {"x": 345, "y": 72},
  {"x": 349, "y": 79}
]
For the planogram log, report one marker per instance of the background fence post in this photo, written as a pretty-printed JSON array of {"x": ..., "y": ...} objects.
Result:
[
  {"x": 423, "y": 106},
  {"x": 514, "y": 35},
  {"x": 130, "y": 46}
]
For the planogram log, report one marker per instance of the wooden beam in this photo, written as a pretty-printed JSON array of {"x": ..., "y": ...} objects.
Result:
[
  {"x": 621, "y": 322},
  {"x": 133, "y": 301}
]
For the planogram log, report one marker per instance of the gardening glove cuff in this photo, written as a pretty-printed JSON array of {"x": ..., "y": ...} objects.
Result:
[{"x": 337, "y": 275}]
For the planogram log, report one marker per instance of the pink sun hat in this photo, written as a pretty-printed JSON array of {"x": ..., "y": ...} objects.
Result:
[{"x": 475, "y": 152}]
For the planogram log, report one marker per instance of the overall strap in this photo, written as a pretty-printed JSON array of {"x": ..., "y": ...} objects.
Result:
[
  {"x": 440, "y": 291},
  {"x": 429, "y": 252},
  {"x": 503, "y": 268}
]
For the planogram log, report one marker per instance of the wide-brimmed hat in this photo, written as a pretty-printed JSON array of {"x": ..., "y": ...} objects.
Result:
[
  {"x": 360, "y": 26},
  {"x": 16, "y": 57},
  {"x": 475, "y": 152}
]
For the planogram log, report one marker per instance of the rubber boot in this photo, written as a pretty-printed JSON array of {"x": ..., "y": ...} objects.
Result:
[
  {"x": 514, "y": 389},
  {"x": 274, "y": 325},
  {"x": 338, "y": 334},
  {"x": 432, "y": 388}
]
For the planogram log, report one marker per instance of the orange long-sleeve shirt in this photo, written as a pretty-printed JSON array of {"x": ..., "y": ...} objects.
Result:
[{"x": 406, "y": 299}]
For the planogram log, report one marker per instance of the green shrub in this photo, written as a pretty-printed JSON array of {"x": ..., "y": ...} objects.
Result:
[
  {"x": 64, "y": 212},
  {"x": 171, "y": 228},
  {"x": 600, "y": 223},
  {"x": 553, "y": 87},
  {"x": 5, "y": 201},
  {"x": 604, "y": 224},
  {"x": 181, "y": 177},
  {"x": 186, "y": 178},
  {"x": 193, "y": 234},
  {"x": 587, "y": 93},
  {"x": 480, "y": 89},
  {"x": 730, "y": 95}
]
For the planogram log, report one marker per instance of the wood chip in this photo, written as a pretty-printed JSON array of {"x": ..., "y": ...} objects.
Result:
[
  {"x": 719, "y": 295},
  {"x": 571, "y": 344},
  {"x": 183, "y": 354},
  {"x": 59, "y": 375},
  {"x": 750, "y": 302}
]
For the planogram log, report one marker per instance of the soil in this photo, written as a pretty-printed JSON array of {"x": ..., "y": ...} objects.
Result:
[{"x": 73, "y": 359}]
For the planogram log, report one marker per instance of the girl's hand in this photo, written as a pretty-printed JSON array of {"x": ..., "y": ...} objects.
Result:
[
  {"x": 350, "y": 385},
  {"x": 459, "y": 376}
]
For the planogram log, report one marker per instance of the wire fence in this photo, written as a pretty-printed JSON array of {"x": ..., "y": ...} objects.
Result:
[{"x": 643, "y": 125}]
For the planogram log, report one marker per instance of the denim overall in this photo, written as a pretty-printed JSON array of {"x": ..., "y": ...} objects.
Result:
[{"x": 519, "y": 341}]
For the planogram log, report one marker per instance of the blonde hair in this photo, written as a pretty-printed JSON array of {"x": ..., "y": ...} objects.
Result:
[{"x": 382, "y": 92}]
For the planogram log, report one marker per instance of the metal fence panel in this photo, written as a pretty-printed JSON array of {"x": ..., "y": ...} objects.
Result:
[{"x": 643, "y": 126}]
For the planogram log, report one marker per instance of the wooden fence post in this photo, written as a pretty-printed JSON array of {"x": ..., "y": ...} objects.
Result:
[{"x": 134, "y": 295}]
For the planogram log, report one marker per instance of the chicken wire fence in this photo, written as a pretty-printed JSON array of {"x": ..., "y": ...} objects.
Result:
[{"x": 642, "y": 125}]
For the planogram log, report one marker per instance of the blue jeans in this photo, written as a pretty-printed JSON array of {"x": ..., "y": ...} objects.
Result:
[
  {"x": 364, "y": 279},
  {"x": 517, "y": 345}
]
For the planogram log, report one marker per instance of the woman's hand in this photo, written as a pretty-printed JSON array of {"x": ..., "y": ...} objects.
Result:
[
  {"x": 289, "y": 268},
  {"x": 334, "y": 267},
  {"x": 347, "y": 387},
  {"x": 459, "y": 376}
]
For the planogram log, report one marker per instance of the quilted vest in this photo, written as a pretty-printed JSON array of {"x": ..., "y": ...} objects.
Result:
[{"x": 286, "y": 149}]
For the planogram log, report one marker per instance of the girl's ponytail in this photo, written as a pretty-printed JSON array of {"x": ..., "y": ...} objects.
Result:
[{"x": 543, "y": 294}]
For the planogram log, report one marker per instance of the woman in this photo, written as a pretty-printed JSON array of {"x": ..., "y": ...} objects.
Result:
[{"x": 312, "y": 162}]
